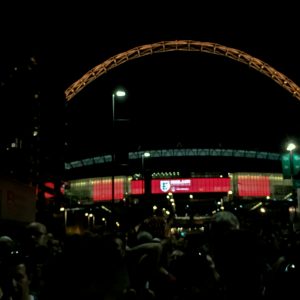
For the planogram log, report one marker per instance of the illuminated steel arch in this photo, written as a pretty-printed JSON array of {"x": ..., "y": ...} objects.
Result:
[{"x": 182, "y": 45}]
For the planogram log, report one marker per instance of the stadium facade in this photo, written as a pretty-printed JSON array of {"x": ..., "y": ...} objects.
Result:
[{"x": 199, "y": 173}]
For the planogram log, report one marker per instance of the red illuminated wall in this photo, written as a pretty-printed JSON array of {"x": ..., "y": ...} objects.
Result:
[
  {"x": 190, "y": 185},
  {"x": 102, "y": 189},
  {"x": 253, "y": 185},
  {"x": 137, "y": 187}
]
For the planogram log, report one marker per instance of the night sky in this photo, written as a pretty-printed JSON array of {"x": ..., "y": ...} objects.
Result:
[{"x": 174, "y": 99}]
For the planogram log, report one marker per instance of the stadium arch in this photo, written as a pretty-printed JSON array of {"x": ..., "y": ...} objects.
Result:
[{"x": 188, "y": 46}]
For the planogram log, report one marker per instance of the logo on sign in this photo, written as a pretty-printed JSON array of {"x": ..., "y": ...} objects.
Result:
[{"x": 165, "y": 185}]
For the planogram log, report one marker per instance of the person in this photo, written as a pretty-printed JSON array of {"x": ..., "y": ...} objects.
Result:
[
  {"x": 15, "y": 274},
  {"x": 237, "y": 255},
  {"x": 36, "y": 249},
  {"x": 7, "y": 246},
  {"x": 221, "y": 223}
]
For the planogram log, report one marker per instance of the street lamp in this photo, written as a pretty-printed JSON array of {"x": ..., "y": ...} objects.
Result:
[
  {"x": 144, "y": 155},
  {"x": 118, "y": 94},
  {"x": 89, "y": 218},
  {"x": 291, "y": 147}
]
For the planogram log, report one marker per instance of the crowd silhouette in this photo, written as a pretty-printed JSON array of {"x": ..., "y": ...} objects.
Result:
[{"x": 228, "y": 258}]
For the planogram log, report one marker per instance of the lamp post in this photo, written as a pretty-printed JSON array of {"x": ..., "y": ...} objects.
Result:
[
  {"x": 296, "y": 221},
  {"x": 117, "y": 93},
  {"x": 291, "y": 147},
  {"x": 145, "y": 155}
]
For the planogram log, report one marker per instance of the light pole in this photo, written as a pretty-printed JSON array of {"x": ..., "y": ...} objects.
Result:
[
  {"x": 296, "y": 224},
  {"x": 145, "y": 155},
  {"x": 291, "y": 147},
  {"x": 117, "y": 93}
]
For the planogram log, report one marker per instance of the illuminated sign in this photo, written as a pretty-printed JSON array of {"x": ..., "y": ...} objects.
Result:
[{"x": 190, "y": 185}]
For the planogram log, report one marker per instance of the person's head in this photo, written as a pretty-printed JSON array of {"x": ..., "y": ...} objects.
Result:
[
  {"x": 113, "y": 245},
  {"x": 20, "y": 280},
  {"x": 222, "y": 222},
  {"x": 144, "y": 237},
  {"x": 7, "y": 245},
  {"x": 36, "y": 235}
]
